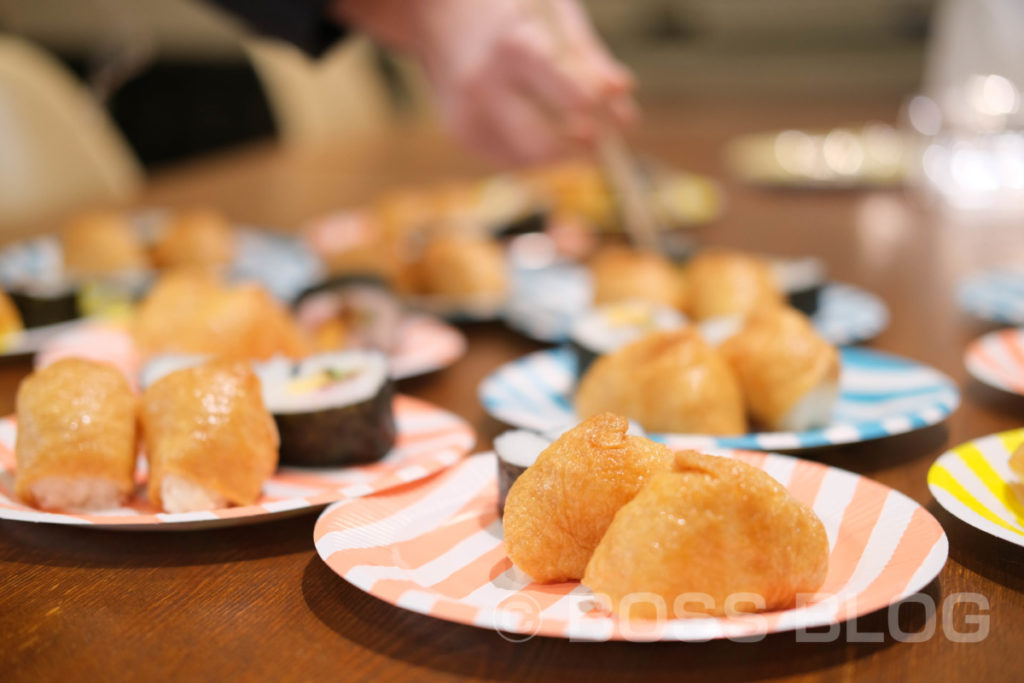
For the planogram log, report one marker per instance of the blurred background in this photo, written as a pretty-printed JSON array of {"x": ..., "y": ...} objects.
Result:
[{"x": 181, "y": 79}]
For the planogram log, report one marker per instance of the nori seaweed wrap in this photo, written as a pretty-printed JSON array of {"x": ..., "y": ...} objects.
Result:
[
  {"x": 516, "y": 450},
  {"x": 332, "y": 408}
]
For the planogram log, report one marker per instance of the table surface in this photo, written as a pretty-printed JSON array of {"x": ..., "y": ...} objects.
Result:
[{"x": 257, "y": 602}]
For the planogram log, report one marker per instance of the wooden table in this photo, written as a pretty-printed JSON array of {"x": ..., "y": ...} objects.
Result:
[{"x": 257, "y": 603}]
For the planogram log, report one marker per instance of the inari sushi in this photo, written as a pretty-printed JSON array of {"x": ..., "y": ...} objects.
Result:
[
  {"x": 210, "y": 441},
  {"x": 10, "y": 318},
  {"x": 331, "y": 408},
  {"x": 199, "y": 237},
  {"x": 101, "y": 243},
  {"x": 76, "y": 441}
]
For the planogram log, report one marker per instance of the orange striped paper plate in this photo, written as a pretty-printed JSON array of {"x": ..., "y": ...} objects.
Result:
[
  {"x": 997, "y": 359},
  {"x": 974, "y": 483},
  {"x": 436, "y": 548},
  {"x": 429, "y": 439}
]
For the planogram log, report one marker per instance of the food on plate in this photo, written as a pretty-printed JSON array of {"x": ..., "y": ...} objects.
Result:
[
  {"x": 1017, "y": 462},
  {"x": 559, "y": 508},
  {"x": 725, "y": 283},
  {"x": 196, "y": 237},
  {"x": 609, "y": 327},
  {"x": 801, "y": 280},
  {"x": 210, "y": 441},
  {"x": 350, "y": 314},
  {"x": 462, "y": 268},
  {"x": 789, "y": 374},
  {"x": 100, "y": 243},
  {"x": 331, "y": 409},
  {"x": 76, "y": 440},
  {"x": 192, "y": 311},
  {"x": 706, "y": 538},
  {"x": 10, "y": 318},
  {"x": 516, "y": 451},
  {"x": 620, "y": 273},
  {"x": 45, "y": 303},
  {"x": 669, "y": 381}
]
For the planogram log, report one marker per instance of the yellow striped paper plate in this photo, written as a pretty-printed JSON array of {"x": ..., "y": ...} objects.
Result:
[{"x": 974, "y": 483}]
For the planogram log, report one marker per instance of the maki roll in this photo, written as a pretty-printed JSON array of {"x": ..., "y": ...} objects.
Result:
[
  {"x": 801, "y": 280},
  {"x": 350, "y": 313},
  {"x": 516, "y": 450},
  {"x": 77, "y": 440},
  {"x": 609, "y": 327},
  {"x": 331, "y": 408},
  {"x": 45, "y": 302}
]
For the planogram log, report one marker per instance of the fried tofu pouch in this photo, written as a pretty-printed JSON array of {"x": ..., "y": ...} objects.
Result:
[
  {"x": 712, "y": 526},
  {"x": 197, "y": 237},
  {"x": 668, "y": 381},
  {"x": 10, "y": 318},
  {"x": 722, "y": 282},
  {"x": 462, "y": 266},
  {"x": 789, "y": 374},
  {"x": 558, "y": 510},
  {"x": 621, "y": 273},
  {"x": 101, "y": 243},
  {"x": 77, "y": 442},
  {"x": 209, "y": 439},
  {"x": 190, "y": 311}
]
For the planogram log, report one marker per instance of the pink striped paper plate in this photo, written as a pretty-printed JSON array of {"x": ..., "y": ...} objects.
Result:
[
  {"x": 429, "y": 439},
  {"x": 997, "y": 359},
  {"x": 436, "y": 549}
]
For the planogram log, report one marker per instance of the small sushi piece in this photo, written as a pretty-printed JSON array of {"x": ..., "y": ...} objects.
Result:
[
  {"x": 209, "y": 438},
  {"x": 670, "y": 381},
  {"x": 463, "y": 268},
  {"x": 725, "y": 282},
  {"x": 1017, "y": 462},
  {"x": 197, "y": 237},
  {"x": 801, "y": 280},
  {"x": 609, "y": 327},
  {"x": 331, "y": 408},
  {"x": 516, "y": 450},
  {"x": 350, "y": 314},
  {"x": 45, "y": 302},
  {"x": 100, "y": 243},
  {"x": 789, "y": 374},
  {"x": 622, "y": 273},
  {"x": 77, "y": 441}
]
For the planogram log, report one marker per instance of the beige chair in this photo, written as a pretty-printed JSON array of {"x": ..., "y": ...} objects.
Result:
[
  {"x": 339, "y": 96},
  {"x": 58, "y": 148}
]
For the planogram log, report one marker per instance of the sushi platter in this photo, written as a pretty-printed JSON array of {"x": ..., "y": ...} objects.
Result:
[
  {"x": 880, "y": 395},
  {"x": 438, "y": 551},
  {"x": 428, "y": 439}
]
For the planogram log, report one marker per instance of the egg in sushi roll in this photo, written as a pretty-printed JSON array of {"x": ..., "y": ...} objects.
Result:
[
  {"x": 331, "y": 408},
  {"x": 77, "y": 441},
  {"x": 789, "y": 374},
  {"x": 210, "y": 441}
]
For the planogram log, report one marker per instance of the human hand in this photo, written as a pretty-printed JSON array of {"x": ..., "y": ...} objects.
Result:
[{"x": 517, "y": 81}]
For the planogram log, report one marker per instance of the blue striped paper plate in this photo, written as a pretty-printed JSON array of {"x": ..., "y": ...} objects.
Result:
[
  {"x": 996, "y": 295},
  {"x": 544, "y": 304},
  {"x": 880, "y": 395}
]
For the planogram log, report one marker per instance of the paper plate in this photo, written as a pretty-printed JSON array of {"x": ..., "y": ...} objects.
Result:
[
  {"x": 996, "y": 295},
  {"x": 436, "y": 549},
  {"x": 282, "y": 263},
  {"x": 975, "y": 484},
  {"x": 997, "y": 359},
  {"x": 880, "y": 395},
  {"x": 429, "y": 439},
  {"x": 425, "y": 344},
  {"x": 545, "y": 303}
]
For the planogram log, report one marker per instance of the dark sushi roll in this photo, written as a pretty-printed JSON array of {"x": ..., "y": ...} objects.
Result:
[
  {"x": 516, "y": 451},
  {"x": 45, "y": 303},
  {"x": 801, "y": 280},
  {"x": 609, "y": 327},
  {"x": 331, "y": 409}
]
